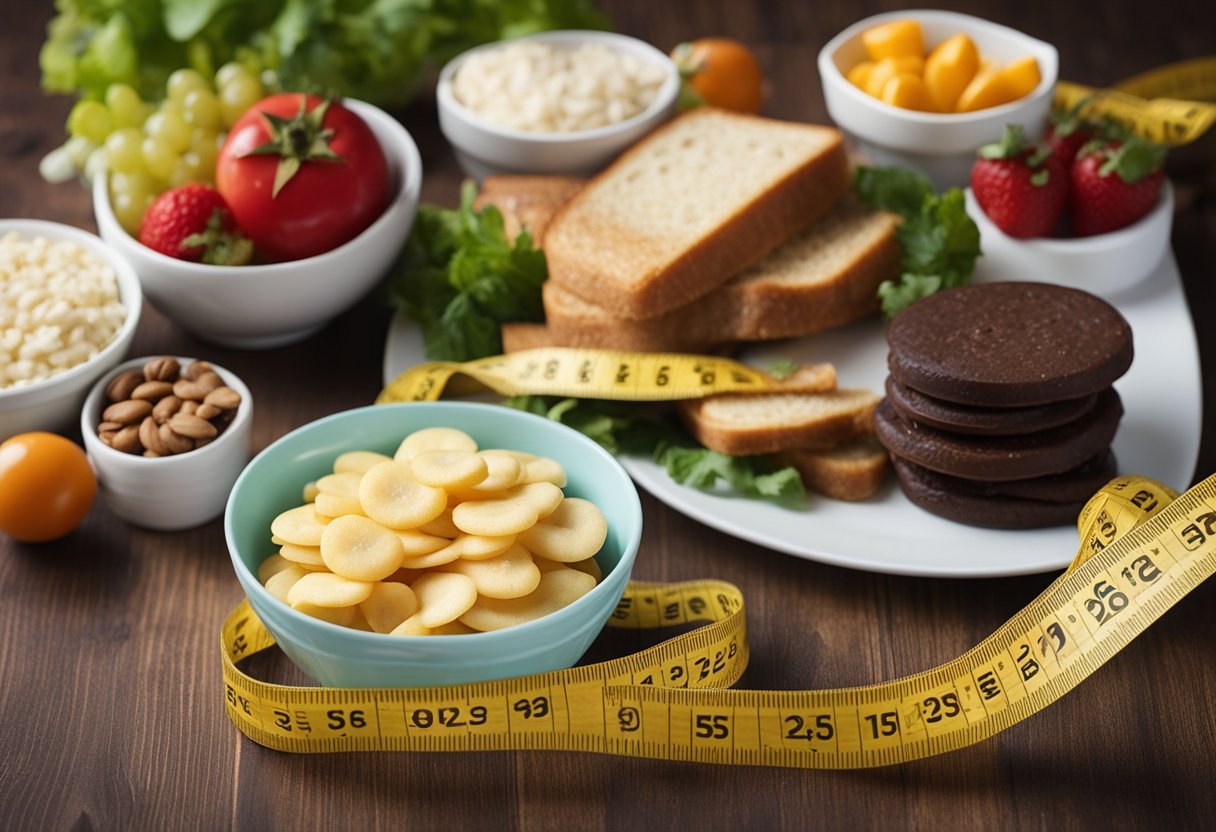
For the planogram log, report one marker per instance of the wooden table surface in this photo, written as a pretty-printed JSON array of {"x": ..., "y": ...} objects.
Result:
[{"x": 111, "y": 703}]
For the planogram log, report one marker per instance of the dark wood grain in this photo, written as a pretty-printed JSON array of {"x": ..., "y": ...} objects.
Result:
[{"x": 111, "y": 714}]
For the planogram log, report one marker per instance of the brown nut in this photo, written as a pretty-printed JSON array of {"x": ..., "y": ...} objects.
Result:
[
  {"x": 149, "y": 435},
  {"x": 209, "y": 380},
  {"x": 128, "y": 412},
  {"x": 225, "y": 398},
  {"x": 207, "y": 411},
  {"x": 165, "y": 408},
  {"x": 152, "y": 390},
  {"x": 192, "y": 426},
  {"x": 109, "y": 427},
  {"x": 151, "y": 454},
  {"x": 162, "y": 369},
  {"x": 190, "y": 390},
  {"x": 127, "y": 440},
  {"x": 188, "y": 408},
  {"x": 196, "y": 369},
  {"x": 175, "y": 443},
  {"x": 119, "y": 389}
]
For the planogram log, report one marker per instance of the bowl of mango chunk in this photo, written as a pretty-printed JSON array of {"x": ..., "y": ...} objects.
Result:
[{"x": 924, "y": 89}]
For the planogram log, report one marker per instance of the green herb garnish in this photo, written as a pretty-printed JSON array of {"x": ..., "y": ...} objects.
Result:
[
  {"x": 940, "y": 242},
  {"x": 461, "y": 279},
  {"x": 626, "y": 429}
]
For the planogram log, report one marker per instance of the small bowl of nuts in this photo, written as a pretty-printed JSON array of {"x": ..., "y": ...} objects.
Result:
[
  {"x": 562, "y": 102},
  {"x": 168, "y": 436}
]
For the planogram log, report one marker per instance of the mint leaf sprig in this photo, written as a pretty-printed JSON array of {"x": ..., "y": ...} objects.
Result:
[
  {"x": 940, "y": 242},
  {"x": 461, "y": 279}
]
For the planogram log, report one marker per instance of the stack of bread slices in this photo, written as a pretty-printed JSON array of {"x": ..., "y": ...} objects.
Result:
[{"x": 719, "y": 229}]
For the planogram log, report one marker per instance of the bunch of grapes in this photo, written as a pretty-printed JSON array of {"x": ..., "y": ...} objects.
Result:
[{"x": 149, "y": 148}]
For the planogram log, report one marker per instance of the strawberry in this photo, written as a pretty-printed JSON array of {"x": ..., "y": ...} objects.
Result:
[
  {"x": 1022, "y": 188},
  {"x": 192, "y": 222},
  {"x": 1113, "y": 184}
]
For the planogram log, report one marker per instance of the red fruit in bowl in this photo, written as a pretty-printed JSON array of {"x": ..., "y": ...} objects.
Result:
[
  {"x": 192, "y": 222},
  {"x": 303, "y": 175},
  {"x": 1065, "y": 141},
  {"x": 1113, "y": 184},
  {"x": 1022, "y": 188}
]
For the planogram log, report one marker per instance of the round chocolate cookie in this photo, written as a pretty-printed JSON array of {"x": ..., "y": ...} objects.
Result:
[
  {"x": 997, "y": 458},
  {"x": 983, "y": 421},
  {"x": 1009, "y": 344},
  {"x": 1033, "y": 503}
]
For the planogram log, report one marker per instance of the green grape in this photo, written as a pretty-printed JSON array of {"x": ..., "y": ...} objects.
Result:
[
  {"x": 230, "y": 71},
  {"x": 238, "y": 95},
  {"x": 130, "y": 196},
  {"x": 90, "y": 120},
  {"x": 127, "y": 109},
  {"x": 78, "y": 149},
  {"x": 205, "y": 145},
  {"x": 159, "y": 157},
  {"x": 168, "y": 124},
  {"x": 184, "y": 81},
  {"x": 123, "y": 151},
  {"x": 198, "y": 169},
  {"x": 202, "y": 109}
]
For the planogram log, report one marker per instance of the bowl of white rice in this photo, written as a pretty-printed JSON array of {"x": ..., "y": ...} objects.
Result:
[
  {"x": 562, "y": 102},
  {"x": 69, "y": 305}
]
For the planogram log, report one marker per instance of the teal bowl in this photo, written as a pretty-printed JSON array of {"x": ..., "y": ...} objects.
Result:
[{"x": 343, "y": 657}]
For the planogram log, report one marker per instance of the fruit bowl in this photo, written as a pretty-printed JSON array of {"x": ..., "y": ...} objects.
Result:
[
  {"x": 1104, "y": 264},
  {"x": 262, "y": 306},
  {"x": 942, "y": 146}
]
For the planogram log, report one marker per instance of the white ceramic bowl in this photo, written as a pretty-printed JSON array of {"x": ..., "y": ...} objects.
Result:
[
  {"x": 55, "y": 402},
  {"x": 1103, "y": 264},
  {"x": 171, "y": 492},
  {"x": 484, "y": 148},
  {"x": 942, "y": 146},
  {"x": 271, "y": 305}
]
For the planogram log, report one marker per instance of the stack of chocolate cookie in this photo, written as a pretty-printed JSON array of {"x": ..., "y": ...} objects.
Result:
[{"x": 999, "y": 409}]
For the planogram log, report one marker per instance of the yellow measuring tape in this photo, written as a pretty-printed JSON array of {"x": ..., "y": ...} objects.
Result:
[
  {"x": 1170, "y": 105},
  {"x": 1142, "y": 549},
  {"x": 604, "y": 374}
]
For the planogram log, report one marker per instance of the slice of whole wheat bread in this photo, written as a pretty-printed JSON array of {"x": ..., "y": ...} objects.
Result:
[
  {"x": 690, "y": 206},
  {"x": 854, "y": 470},
  {"x": 826, "y": 276},
  {"x": 769, "y": 422}
]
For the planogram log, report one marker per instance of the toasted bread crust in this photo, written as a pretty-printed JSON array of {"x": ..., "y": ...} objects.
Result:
[
  {"x": 581, "y": 238},
  {"x": 852, "y": 471},
  {"x": 848, "y": 415},
  {"x": 750, "y": 307}
]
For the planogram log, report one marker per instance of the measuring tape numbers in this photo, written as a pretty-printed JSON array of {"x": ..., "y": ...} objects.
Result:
[
  {"x": 1142, "y": 549},
  {"x": 604, "y": 374}
]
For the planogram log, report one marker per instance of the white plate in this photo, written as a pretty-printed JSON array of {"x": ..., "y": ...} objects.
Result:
[{"x": 1158, "y": 437}]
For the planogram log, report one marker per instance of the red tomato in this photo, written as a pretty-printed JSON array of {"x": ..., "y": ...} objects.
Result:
[
  {"x": 46, "y": 486},
  {"x": 340, "y": 187}
]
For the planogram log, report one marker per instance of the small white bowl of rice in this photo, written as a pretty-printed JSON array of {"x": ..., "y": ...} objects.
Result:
[
  {"x": 69, "y": 306},
  {"x": 561, "y": 102}
]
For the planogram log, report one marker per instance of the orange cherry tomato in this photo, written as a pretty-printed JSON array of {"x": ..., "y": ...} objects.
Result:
[
  {"x": 46, "y": 486},
  {"x": 722, "y": 72}
]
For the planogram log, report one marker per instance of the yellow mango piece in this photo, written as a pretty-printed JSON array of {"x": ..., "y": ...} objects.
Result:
[
  {"x": 894, "y": 39},
  {"x": 888, "y": 68},
  {"x": 907, "y": 91},
  {"x": 1021, "y": 76},
  {"x": 987, "y": 89},
  {"x": 859, "y": 75},
  {"x": 949, "y": 69}
]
